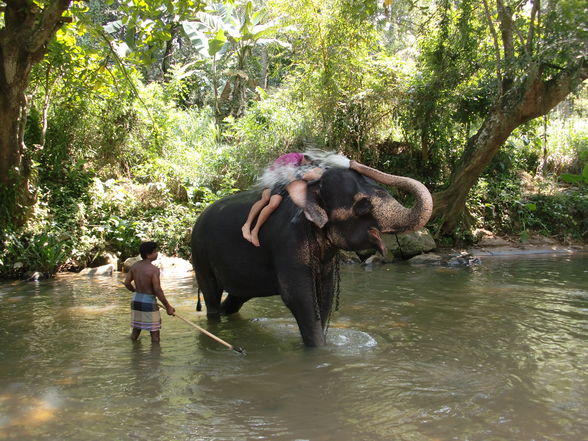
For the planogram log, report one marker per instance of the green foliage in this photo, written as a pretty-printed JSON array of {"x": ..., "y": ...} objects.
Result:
[
  {"x": 449, "y": 91},
  {"x": 271, "y": 127},
  {"x": 569, "y": 209},
  {"x": 332, "y": 44},
  {"x": 44, "y": 252},
  {"x": 8, "y": 199},
  {"x": 143, "y": 32},
  {"x": 122, "y": 215},
  {"x": 564, "y": 31},
  {"x": 576, "y": 179},
  {"x": 463, "y": 68},
  {"x": 503, "y": 205},
  {"x": 225, "y": 36},
  {"x": 364, "y": 114},
  {"x": 111, "y": 216}
]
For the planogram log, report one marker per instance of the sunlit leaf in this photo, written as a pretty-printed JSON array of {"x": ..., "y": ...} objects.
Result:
[
  {"x": 209, "y": 22},
  {"x": 113, "y": 26},
  {"x": 197, "y": 37},
  {"x": 217, "y": 43}
]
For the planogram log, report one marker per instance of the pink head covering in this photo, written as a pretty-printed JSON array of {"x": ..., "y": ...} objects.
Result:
[{"x": 289, "y": 159}]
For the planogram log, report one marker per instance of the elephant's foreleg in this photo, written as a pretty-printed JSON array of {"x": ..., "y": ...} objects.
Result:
[
  {"x": 327, "y": 293},
  {"x": 304, "y": 310}
]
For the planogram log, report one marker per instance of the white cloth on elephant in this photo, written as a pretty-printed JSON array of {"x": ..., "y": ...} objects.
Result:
[
  {"x": 282, "y": 175},
  {"x": 324, "y": 159},
  {"x": 276, "y": 176}
]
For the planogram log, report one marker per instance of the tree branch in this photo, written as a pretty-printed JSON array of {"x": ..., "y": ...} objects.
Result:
[
  {"x": 50, "y": 19},
  {"x": 496, "y": 46},
  {"x": 506, "y": 30},
  {"x": 542, "y": 96},
  {"x": 531, "y": 33},
  {"x": 534, "y": 98}
]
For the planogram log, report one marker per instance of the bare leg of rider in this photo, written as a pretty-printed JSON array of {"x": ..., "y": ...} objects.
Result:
[
  {"x": 273, "y": 204},
  {"x": 254, "y": 211}
]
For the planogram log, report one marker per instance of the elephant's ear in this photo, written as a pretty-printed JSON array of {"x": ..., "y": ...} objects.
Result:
[{"x": 313, "y": 210}]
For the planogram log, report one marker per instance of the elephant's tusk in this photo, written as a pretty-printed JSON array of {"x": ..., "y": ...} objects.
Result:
[{"x": 377, "y": 239}]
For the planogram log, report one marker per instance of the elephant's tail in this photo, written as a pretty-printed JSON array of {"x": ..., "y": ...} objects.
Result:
[{"x": 199, "y": 303}]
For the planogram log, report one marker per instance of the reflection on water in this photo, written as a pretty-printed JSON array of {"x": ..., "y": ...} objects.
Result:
[{"x": 498, "y": 352}]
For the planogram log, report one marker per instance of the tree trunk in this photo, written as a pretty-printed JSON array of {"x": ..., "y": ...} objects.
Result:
[
  {"x": 15, "y": 192},
  {"x": 170, "y": 49},
  {"x": 264, "y": 61},
  {"x": 533, "y": 98},
  {"x": 239, "y": 94},
  {"x": 23, "y": 42},
  {"x": 240, "y": 84}
]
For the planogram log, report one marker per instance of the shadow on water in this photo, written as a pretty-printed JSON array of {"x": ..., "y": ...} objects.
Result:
[{"x": 498, "y": 352}]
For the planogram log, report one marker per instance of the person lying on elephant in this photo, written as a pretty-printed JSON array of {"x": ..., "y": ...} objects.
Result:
[{"x": 286, "y": 176}]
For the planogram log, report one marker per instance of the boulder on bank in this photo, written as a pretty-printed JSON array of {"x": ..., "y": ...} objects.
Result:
[
  {"x": 426, "y": 259},
  {"x": 128, "y": 263},
  {"x": 105, "y": 259},
  {"x": 165, "y": 263},
  {"x": 103, "y": 270},
  {"x": 487, "y": 239},
  {"x": 407, "y": 245}
]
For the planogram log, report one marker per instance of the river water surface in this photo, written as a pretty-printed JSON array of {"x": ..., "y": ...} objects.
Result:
[{"x": 497, "y": 352}]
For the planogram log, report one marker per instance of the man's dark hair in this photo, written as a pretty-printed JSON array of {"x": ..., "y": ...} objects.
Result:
[{"x": 147, "y": 248}]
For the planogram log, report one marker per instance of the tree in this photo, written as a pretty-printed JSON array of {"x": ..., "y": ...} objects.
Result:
[
  {"x": 27, "y": 29},
  {"x": 228, "y": 34},
  {"x": 538, "y": 57},
  {"x": 147, "y": 33},
  {"x": 332, "y": 62}
]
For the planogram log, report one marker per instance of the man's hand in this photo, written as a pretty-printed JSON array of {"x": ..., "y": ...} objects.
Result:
[{"x": 170, "y": 310}]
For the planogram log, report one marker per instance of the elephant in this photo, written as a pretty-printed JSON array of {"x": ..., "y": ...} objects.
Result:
[{"x": 345, "y": 209}]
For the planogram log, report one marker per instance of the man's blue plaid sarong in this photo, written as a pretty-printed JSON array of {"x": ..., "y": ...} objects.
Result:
[{"x": 144, "y": 312}]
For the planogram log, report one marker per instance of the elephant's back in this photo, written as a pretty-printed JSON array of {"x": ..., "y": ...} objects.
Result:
[
  {"x": 220, "y": 251},
  {"x": 217, "y": 235}
]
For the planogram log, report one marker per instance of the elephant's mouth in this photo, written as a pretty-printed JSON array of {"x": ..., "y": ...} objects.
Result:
[{"x": 376, "y": 239}]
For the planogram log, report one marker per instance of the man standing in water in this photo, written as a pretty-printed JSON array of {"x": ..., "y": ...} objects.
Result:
[{"x": 147, "y": 289}]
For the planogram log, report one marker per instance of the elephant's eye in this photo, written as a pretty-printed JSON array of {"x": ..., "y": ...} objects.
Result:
[{"x": 362, "y": 207}]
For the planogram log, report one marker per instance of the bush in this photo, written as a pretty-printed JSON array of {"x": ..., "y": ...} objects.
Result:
[
  {"x": 123, "y": 214},
  {"x": 113, "y": 216},
  {"x": 502, "y": 205},
  {"x": 272, "y": 126},
  {"x": 564, "y": 215},
  {"x": 25, "y": 251}
]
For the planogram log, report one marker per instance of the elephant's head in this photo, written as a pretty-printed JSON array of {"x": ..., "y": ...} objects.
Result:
[{"x": 354, "y": 210}]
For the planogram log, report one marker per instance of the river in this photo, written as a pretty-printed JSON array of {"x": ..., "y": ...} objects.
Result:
[{"x": 494, "y": 352}]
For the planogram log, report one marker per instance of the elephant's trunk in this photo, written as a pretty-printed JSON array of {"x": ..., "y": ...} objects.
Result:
[{"x": 392, "y": 216}]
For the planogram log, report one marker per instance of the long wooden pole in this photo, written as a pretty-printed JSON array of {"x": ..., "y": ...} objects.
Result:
[{"x": 210, "y": 334}]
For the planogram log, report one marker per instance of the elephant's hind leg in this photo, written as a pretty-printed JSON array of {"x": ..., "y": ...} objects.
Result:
[
  {"x": 212, "y": 293},
  {"x": 232, "y": 304}
]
